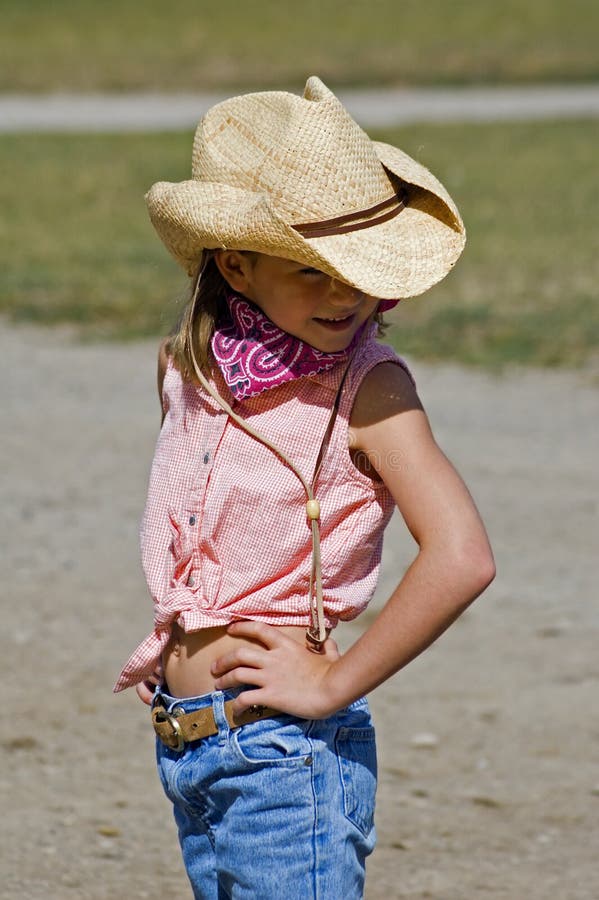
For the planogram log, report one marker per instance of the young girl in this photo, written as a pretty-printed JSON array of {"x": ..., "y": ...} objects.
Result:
[{"x": 289, "y": 436}]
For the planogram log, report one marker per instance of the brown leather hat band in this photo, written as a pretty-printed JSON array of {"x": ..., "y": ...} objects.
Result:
[{"x": 354, "y": 221}]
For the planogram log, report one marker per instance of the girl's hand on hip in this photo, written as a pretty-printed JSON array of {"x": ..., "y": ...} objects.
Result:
[{"x": 287, "y": 676}]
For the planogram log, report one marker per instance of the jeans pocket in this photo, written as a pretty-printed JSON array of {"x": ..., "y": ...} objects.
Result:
[
  {"x": 281, "y": 741},
  {"x": 356, "y": 753}
]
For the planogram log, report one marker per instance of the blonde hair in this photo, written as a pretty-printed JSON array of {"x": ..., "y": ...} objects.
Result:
[
  {"x": 190, "y": 338},
  {"x": 193, "y": 332}
]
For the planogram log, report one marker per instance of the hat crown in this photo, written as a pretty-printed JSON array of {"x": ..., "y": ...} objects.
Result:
[
  {"x": 296, "y": 177},
  {"x": 306, "y": 155}
]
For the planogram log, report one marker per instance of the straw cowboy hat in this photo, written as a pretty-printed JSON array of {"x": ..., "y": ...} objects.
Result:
[{"x": 296, "y": 177}]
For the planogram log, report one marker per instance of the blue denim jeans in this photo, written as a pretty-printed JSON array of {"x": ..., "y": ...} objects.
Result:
[{"x": 281, "y": 807}]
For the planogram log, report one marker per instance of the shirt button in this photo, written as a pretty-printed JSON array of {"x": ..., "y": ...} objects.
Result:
[
  {"x": 190, "y": 581},
  {"x": 192, "y": 520},
  {"x": 206, "y": 458}
]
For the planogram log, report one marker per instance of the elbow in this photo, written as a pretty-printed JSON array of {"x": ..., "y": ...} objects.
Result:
[
  {"x": 474, "y": 568},
  {"x": 481, "y": 569},
  {"x": 485, "y": 571}
]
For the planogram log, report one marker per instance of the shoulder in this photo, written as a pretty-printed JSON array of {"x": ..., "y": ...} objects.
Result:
[
  {"x": 371, "y": 365},
  {"x": 386, "y": 391}
]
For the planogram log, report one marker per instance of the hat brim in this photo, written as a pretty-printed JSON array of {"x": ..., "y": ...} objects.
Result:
[{"x": 399, "y": 258}]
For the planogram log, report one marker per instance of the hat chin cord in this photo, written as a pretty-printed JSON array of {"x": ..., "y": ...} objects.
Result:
[{"x": 317, "y": 633}]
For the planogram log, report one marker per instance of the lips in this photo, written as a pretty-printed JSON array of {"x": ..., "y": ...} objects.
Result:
[{"x": 338, "y": 323}]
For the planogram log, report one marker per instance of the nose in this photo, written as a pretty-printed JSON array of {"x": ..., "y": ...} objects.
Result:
[{"x": 343, "y": 293}]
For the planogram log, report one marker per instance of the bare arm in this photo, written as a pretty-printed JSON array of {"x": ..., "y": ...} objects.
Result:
[
  {"x": 453, "y": 566},
  {"x": 454, "y": 563}
]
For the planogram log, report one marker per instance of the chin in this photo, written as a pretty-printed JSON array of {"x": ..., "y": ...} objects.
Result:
[{"x": 332, "y": 346}]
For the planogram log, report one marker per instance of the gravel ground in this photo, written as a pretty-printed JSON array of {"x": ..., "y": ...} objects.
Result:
[{"x": 489, "y": 743}]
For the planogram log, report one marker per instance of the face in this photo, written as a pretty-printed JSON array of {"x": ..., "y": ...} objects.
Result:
[{"x": 303, "y": 301}]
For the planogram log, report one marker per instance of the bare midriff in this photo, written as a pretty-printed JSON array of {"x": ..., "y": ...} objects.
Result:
[{"x": 188, "y": 656}]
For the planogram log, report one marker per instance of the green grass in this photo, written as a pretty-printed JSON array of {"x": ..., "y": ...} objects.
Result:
[
  {"x": 527, "y": 287},
  {"x": 77, "y": 246},
  {"x": 76, "y": 241},
  {"x": 86, "y": 45}
]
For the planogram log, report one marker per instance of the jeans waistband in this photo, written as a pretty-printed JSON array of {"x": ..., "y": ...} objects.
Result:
[{"x": 190, "y": 704}]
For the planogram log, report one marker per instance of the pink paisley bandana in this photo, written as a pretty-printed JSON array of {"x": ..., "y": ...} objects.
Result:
[{"x": 254, "y": 354}]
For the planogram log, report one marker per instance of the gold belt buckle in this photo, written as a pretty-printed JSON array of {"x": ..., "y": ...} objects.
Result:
[{"x": 174, "y": 741}]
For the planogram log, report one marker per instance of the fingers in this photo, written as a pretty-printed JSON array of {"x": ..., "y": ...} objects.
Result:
[
  {"x": 259, "y": 631},
  {"x": 237, "y": 678},
  {"x": 248, "y": 657},
  {"x": 254, "y": 658},
  {"x": 157, "y": 675},
  {"x": 145, "y": 692},
  {"x": 145, "y": 689},
  {"x": 245, "y": 700},
  {"x": 331, "y": 649}
]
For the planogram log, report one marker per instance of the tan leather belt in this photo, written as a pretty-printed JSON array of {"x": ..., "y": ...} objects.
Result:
[{"x": 178, "y": 728}]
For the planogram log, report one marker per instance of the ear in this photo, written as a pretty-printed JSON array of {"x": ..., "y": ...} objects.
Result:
[{"x": 236, "y": 268}]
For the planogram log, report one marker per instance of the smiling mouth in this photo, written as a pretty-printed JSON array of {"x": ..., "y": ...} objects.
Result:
[
  {"x": 336, "y": 323},
  {"x": 335, "y": 318}
]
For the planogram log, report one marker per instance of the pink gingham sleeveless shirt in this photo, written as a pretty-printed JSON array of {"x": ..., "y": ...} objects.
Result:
[{"x": 224, "y": 534}]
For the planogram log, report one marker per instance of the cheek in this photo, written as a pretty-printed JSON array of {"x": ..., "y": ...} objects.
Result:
[{"x": 370, "y": 308}]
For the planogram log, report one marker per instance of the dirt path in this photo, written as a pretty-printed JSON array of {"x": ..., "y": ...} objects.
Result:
[
  {"x": 375, "y": 108},
  {"x": 500, "y": 798}
]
